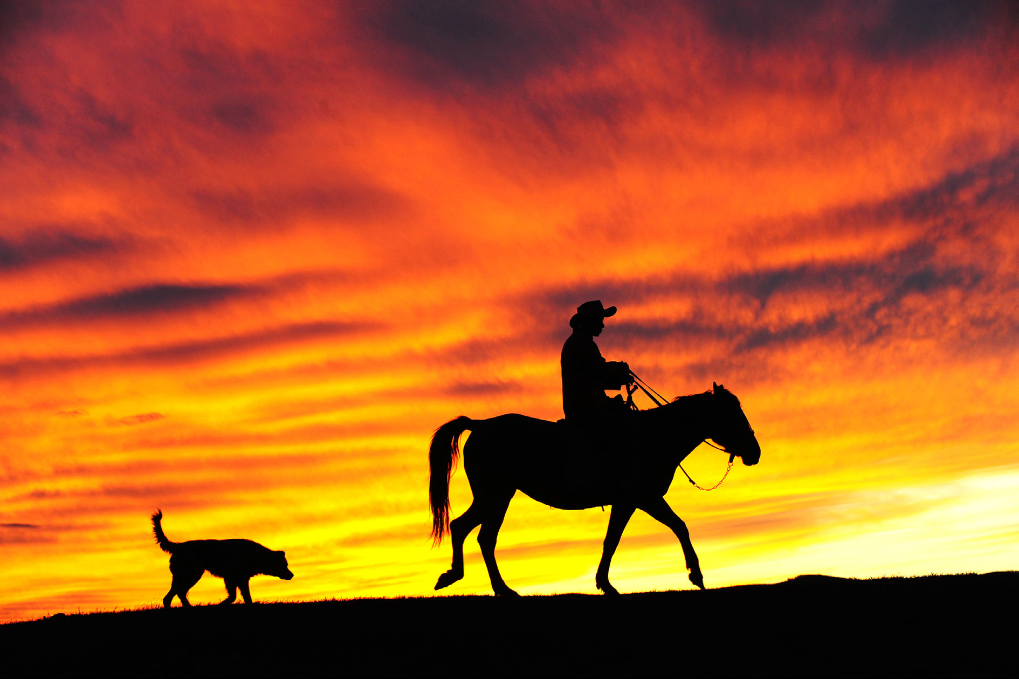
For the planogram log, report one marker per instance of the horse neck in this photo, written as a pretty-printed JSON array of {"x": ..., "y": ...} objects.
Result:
[{"x": 687, "y": 421}]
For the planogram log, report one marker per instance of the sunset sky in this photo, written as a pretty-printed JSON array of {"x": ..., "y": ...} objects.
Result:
[{"x": 253, "y": 254}]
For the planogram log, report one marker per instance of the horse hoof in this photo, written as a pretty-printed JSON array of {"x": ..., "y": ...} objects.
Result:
[
  {"x": 447, "y": 579},
  {"x": 607, "y": 588},
  {"x": 697, "y": 579},
  {"x": 507, "y": 592}
]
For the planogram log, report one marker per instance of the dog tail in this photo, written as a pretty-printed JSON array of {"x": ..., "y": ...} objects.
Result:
[{"x": 157, "y": 530}]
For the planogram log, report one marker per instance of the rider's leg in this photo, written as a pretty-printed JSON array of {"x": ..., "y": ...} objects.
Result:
[
  {"x": 494, "y": 513},
  {"x": 459, "y": 529},
  {"x": 660, "y": 510},
  {"x": 618, "y": 519}
]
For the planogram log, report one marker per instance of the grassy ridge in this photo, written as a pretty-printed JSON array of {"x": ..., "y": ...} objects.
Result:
[{"x": 809, "y": 626}]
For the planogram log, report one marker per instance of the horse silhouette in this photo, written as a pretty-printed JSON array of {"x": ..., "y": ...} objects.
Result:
[{"x": 570, "y": 467}]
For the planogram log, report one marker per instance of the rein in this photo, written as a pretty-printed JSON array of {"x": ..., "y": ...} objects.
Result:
[
  {"x": 647, "y": 389},
  {"x": 694, "y": 483}
]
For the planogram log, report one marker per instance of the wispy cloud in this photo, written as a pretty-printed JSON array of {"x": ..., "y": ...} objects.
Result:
[
  {"x": 486, "y": 46},
  {"x": 135, "y": 303},
  {"x": 186, "y": 352},
  {"x": 44, "y": 245},
  {"x": 356, "y": 201}
]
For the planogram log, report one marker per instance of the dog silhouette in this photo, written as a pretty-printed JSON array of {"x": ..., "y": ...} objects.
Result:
[{"x": 236, "y": 561}]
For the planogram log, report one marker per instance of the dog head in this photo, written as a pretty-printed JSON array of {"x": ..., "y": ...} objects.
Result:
[{"x": 278, "y": 566}]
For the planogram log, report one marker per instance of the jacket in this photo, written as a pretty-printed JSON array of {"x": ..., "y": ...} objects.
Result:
[{"x": 586, "y": 376}]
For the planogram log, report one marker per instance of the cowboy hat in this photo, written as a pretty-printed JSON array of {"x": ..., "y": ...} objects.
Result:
[{"x": 591, "y": 310}]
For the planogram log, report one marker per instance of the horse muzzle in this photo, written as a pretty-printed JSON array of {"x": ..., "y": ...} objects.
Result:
[{"x": 753, "y": 455}]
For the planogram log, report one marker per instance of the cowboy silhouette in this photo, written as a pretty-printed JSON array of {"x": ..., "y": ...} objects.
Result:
[{"x": 586, "y": 375}]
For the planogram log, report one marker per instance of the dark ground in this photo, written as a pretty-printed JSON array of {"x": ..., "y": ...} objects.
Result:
[{"x": 948, "y": 625}]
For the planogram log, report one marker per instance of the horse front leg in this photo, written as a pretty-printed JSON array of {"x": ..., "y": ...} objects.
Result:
[
  {"x": 618, "y": 519},
  {"x": 660, "y": 510}
]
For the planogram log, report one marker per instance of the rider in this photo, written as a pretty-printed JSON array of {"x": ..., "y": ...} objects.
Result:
[{"x": 586, "y": 375}]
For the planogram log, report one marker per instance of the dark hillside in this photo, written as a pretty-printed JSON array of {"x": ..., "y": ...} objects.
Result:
[{"x": 813, "y": 625}]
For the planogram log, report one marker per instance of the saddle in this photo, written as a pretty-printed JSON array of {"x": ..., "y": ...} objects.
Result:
[{"x": 590, "y": 451}]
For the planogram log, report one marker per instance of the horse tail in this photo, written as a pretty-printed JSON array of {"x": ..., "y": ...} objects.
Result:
[{"x": 442, "y": 455}]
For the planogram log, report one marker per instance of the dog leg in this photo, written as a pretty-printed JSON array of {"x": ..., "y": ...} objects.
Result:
[
  {"x": 245, "y": 592},
  {"x": 231, "y": 591},
  {"x": 183, "y": 580}
]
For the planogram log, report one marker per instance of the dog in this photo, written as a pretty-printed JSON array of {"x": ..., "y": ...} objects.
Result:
[{"x": 233, "y": 560}]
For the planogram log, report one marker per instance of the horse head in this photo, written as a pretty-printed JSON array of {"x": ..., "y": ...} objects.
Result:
[{"x": 731, "y": 429}]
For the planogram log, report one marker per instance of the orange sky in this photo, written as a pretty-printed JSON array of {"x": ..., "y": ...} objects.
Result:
[{"x": 252, "y": 255}]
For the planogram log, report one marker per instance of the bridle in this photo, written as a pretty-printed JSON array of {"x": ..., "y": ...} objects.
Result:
[{"x": 650, "y": 392}]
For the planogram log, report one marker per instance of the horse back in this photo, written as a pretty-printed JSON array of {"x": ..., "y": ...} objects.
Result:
[
  {"x": 511, "y": 431},
  {"x": 559, "y": 464}
]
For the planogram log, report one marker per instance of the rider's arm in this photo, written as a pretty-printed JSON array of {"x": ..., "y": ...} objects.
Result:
[{"x": 615, "y": 374}]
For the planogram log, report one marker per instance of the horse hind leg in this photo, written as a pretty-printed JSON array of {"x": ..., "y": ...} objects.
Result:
[
  {"x": 459, "y": 529},
  {"x": 495, "y": 512}
]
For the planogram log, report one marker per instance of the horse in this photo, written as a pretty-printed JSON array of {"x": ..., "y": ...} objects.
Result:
[{"x": 571, "y": 467}]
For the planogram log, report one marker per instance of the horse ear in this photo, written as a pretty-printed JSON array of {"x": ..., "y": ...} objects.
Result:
[{"x": 714, "y": 386}]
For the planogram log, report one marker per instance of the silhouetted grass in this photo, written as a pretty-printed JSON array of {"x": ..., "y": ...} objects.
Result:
[{"x": 812, "y": 625}]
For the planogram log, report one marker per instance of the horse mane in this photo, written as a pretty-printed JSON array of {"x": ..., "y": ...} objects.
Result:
[
  {"x": 681, "y": 403},
  {"x": 681, "y": 398}
]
